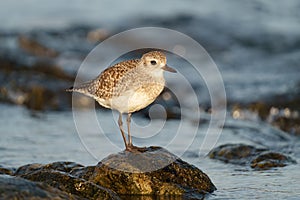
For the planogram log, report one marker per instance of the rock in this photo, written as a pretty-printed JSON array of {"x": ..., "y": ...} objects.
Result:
[
  {"x": 32, "y": 46},
  {"x": 261, "y": 108},
  {"x": 18, "y": 188},
  {"x": 29, "y": 168},
  {"x": 153, "y": 171},
  {"x": 40, "y": 86},
  {"x": 56, "y": 175},
  {"x": 271, "y": 159},
  {"x": 83, "y": 172},
  {"x": 97, "y": 35},
  {"x": 235, "y": 153},
  {"x": 70, "y": 184},
  {"x": 281, "y": 111},
  {"x": 36, "y": 68},
  {"x": 58, "y": 166},
  {"x": 288, "y": 124},
  {"x": 257, "y": 158},
  {"x": 8, "y": 171}
]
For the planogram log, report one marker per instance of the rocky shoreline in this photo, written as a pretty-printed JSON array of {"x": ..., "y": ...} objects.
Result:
[
  {"x": 247, "y": 155},
  {"x": 150, "y": 174},
  {"x": 119, "y": 176},
  {"x": 35, "y": 70}
]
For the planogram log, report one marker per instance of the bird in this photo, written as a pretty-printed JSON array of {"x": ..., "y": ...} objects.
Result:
[{"x": 128, "y": 87}]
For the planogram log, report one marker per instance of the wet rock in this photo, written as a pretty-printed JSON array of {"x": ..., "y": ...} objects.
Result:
[
  {"x": 152, "y": 171},
  {"x": 38, "y": 87},
  {"x": 235, "y": 153},
  {"x": 281, "y": 111},
  {"x": 97, "y": 35},
  {"x": 257, "y": 158},
  {"x": 37, "y": 66},
  {"x": 70, "y": 184},
  {"x": 57, "y": 175},
  {"x": 261, "y": 108},
  {"x": 83, "y": 172},
  {"x": 271, "y": 159},
  {"x": 34, "y": 47},
  {"x": 29, "y": 168},
  {"x": 8, "y": 171},
  {"x": 289, "y": 125},
  {"x": 58, "y": 166},
  {"x": 285, "y": 119},
  {"x": 18, "y": 188}
]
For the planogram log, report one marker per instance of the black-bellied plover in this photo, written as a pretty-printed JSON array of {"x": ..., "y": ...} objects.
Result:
[{"x": 128, "y": 86}]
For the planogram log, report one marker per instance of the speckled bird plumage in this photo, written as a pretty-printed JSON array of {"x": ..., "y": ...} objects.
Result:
[{"x": 130, "y": 85}]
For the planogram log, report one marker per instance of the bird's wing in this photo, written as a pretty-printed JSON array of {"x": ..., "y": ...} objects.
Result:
[{"x": 104, "y": 85}]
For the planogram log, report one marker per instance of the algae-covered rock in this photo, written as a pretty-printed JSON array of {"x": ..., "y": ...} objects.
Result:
[
  {"x": 248, "y": 155},
  {"x": 17, "y": 188},
  {"x": 32, "y": 46},
  {"x": 59, "y": 166},
  {"x": 152, "y": 171},
  {"x": 287, "y": 124},
  {"x": 271, "y": 159},
  {"x": 144, "y": 173},
  {"x": 240, "y": 154},
  {"x": 56, "y": 175},
  {"x": 5, "y": 170}
]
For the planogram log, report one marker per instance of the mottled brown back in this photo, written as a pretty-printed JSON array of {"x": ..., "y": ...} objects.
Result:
[{"x": 103, "y": 86}]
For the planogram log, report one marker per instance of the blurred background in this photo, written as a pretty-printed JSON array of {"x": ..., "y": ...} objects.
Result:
[{"x": 255, "y": 44}]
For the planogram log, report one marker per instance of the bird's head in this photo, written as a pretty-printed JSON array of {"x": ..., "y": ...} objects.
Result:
[{"x": 156, "y": 60}]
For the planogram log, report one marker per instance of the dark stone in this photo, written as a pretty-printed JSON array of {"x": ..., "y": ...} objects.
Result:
[
  {"x": 34, "y": 47},
  {"x": 242, "y": 154},
  {"x": 83, "y": 172},
  {"x": 36, "y": 69},
  {"x": 71, "y": 184},
  {"x": 261, "y": 108},
  {"x": 287, "y": 124},
  {"x": 235, "y": 153},
  {"x": 18, "y": 188},
  {"x": 58, "y": 166},
  {"x": 8, "y": 171},
  {"x": 153, "y": 171},
  {"x": 39, "y": 84},
  {"x": 29, "y": 168},
  {"x": 281, "y": 111},
  {"x": 271, "y": 159},
  {"x": 57, "y": 175}
]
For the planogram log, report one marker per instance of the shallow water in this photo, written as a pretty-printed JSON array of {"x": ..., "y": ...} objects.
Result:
[
  {"x": 254, "y": 44},
  {"x": 48, "y": 137}
]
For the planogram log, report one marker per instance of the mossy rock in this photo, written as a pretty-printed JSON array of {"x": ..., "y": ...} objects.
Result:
[
  {"x": 153, "y": 171},
  {"x": 242, "y": 154},
  {"x": 17, "y": 188},
  {"x": 271, "y": 159},
  {"x": 57, "y": 175},
  {"x": 144, "y": 172}
]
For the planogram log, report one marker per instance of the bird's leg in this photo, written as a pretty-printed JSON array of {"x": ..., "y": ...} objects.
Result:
[
  {"x": 122, "y": 130},
  {"x": 128, "y": 128}
]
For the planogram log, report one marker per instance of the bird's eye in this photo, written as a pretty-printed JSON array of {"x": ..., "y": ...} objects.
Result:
[{"x": 153, "y": 62}]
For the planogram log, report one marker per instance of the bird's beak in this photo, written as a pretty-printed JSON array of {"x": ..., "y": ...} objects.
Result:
[{"x": 169, "y": 69}]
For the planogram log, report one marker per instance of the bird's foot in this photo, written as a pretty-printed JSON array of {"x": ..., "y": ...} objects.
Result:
[{"x": 135, "y": 149}]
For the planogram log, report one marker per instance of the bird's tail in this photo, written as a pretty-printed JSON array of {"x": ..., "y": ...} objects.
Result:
[{"x": 84, "y": 88}]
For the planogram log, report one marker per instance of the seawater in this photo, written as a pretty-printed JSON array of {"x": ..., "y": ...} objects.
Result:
[{"x": 28, "y": 137}]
